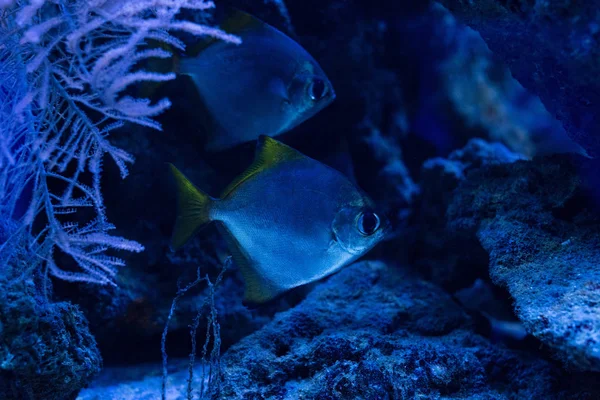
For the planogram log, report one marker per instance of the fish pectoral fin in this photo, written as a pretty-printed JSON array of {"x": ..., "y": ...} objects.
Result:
[
  {"x": 278, "y": 88},
  {"x": 269, "y": 152},
  {"x": 258, "y": 288}
]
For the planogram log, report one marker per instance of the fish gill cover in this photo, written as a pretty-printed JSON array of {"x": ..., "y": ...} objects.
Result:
[{"x": 467, "y": 125}]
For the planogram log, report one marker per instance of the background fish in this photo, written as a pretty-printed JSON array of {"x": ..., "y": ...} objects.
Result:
[
  {"x": 267, "y": 85},
  {"x": 288, "y": 220}
]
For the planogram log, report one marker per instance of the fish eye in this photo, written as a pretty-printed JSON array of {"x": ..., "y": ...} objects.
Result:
[
  {"x": 317, "y": 89},
  {"x": 368, "y": 222}
]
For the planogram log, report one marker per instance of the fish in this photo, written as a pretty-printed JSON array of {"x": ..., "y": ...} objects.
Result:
[
  {"x": 288, "y": 220},
  {"x": 491, "y": 315},
  {"x": 268, "y": 84}
]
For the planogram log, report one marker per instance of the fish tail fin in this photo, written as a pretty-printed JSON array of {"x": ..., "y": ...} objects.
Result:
[{"x": 193, "y": 209}]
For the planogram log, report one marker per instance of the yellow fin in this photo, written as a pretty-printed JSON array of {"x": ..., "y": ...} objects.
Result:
[
  {"x": 257, "y": 289},
  {"x": 193, "y": 209},
  {"x": 269, "y": 152},
  {"x": 147, "y": 89},
  {"x": 234, "y": 22},
  {"x": 238, "y": 21}
]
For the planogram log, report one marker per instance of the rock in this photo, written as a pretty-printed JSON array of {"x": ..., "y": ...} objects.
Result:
[
  {"x": 449, "y": 258},
  {"x": 46, "y": 349},
  {"x": 493, "y": 315},
  {"x": 553, "y": 49},
  {"x": 460, "y": 89},
  {"x": 539, "y": 223},
  {"x": 376, "y": 332}
]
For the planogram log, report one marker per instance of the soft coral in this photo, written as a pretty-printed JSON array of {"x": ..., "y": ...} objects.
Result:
[{"x": 67, "y": 65}]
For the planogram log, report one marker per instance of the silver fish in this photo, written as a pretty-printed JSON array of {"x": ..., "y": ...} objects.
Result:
[
  {"x": 288, "y": 220},
  {"x": 267, "y": 85}
]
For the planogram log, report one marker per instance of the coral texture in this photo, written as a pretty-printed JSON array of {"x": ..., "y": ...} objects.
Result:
[
  {"x": 67, "y": 67},
  {"x": 552, "y": 48},
  {"x": 373, "y": 331},
  {"x": 46, "y": 349},
  {"x": 538, "y": 222}
]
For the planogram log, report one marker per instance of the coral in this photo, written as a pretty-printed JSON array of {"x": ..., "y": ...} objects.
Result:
[
  {"x": 285, "y": 14},
  {"x": 69, "y": 66},
  {"x": 46, "y": 349},
  {"x": 538, "y": 221},
  {"x": 372, "y": 331}
]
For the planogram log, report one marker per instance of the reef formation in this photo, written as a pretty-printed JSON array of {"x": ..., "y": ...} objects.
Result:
[{"x": 473, "y": 124}]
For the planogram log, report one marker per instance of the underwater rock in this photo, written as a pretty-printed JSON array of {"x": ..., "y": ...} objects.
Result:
[
  {"x": 372, "y": 331},
  {"x": 394, "y": 177},
  {"x": 493, "y": 315},
  {"x": 46, "y": 349},
  {"x": 538, "y": 222},
  {"x": 453, "y": 260},
  {"x": 462, "y": 90},
  {"x": 553, "y": 49}
]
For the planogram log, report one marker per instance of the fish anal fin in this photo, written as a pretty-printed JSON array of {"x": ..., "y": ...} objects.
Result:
[
  {"x": 269, "y": 152},
  {"x": 258, "y": 289}
]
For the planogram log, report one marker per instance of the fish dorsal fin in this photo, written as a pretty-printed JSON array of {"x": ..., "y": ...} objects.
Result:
[
  {"x": 258, "y": 289},
  {"x": 237, "y": 21},
  {"x": 234, "y": 22},
  {"x": 269, "y": 152}
]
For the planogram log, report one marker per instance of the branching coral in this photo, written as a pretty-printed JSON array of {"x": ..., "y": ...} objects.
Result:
[
  {"x": 46, "y": 348},
  {"x": 66, "y": 68}
]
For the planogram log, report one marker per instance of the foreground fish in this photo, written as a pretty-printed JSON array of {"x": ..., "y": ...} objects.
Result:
[
  {"x": 288, "y": 220},
  {"x": 267, "y": 85}
]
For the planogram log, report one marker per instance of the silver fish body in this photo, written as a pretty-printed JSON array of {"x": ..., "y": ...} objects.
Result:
[
  {"x": 292, "y": 221},
  {"x": 285, "y": 216},
  {"x": 267, "y": 85}
]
